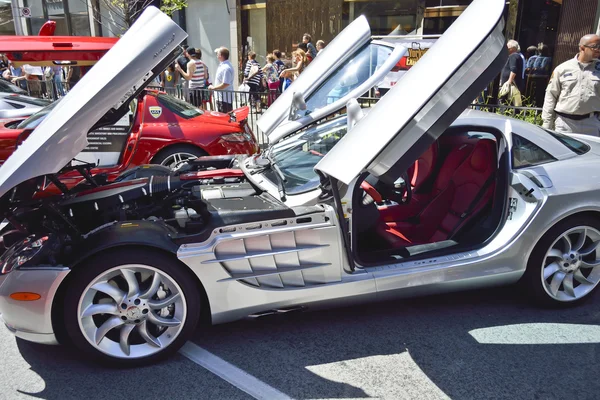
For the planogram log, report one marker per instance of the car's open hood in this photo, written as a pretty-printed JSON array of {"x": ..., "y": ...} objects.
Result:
[
  {"x": 347, "y": 68},
  {"x": 417, "y": 110},
  {"x": 100, "y": 97}
]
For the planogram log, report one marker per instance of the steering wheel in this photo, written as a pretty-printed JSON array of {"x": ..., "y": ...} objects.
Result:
[{"x": 371, "y": 191}]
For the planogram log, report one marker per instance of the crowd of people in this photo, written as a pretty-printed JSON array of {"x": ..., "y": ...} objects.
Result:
[
  {"x": 49, "y": 82},
  {"x": 190, "y": 78}
]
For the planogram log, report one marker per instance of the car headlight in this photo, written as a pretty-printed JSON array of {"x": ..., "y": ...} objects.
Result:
[{"x": 21, "y": 252}]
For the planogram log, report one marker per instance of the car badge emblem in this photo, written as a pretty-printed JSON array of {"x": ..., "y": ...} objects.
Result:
[{"x": 155, "y": 111}]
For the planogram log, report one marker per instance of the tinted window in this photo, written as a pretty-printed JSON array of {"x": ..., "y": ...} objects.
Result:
[
  {"x": 573, "y": 144},
  {"x": 181, "y": 108},
  {"x": 527, "y": 154}
]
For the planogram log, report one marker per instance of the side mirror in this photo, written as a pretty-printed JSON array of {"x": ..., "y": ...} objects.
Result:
[
  {"x": 298, "y": 103},
  {"x": 354, "y": 113}
]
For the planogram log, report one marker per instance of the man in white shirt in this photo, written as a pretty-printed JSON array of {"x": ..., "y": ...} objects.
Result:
[{"x": 223, "y": 82}]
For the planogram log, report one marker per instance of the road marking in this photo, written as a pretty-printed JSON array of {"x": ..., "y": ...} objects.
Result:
[{"x": 232, "y": 374}]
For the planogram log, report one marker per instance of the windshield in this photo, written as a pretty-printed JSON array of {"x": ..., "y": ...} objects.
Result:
[
  {"x": 181, "y": 108},
  {"x": 33, "y": 121},
  {"x": 297, "y": 156},
  {"x": 347, "y": 77}
]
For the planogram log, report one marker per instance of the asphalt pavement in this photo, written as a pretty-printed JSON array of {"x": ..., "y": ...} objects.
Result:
[{"x": 488, "y": 344}]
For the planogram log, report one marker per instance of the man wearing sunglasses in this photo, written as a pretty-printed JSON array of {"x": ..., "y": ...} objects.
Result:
[{"x": 572, "y": 102}]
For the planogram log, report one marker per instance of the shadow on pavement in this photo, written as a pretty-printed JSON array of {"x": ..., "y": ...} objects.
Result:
[
  {"x": 67, "y": 376},
  {"x": 522, "y": 355}
]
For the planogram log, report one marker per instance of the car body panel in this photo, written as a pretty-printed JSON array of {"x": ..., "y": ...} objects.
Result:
[
  {"x": 426, "y": 101},
  {"x": 346, "y": 43},
  {"x": 43, "y": 50}
]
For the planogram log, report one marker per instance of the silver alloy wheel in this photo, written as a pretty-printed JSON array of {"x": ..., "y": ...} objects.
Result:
[
  {"x": 174, "y": 160},
  {"x": 571, "y": 268},
  {"x": 132, "y": 311}
]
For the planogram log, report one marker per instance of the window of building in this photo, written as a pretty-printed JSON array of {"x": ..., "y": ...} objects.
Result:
[
  {"x": 7, "y": 26},
  {"x": 385, "y": 17},
  {"x": 71, "y": 16}
]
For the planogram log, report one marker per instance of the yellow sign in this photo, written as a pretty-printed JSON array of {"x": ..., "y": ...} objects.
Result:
[{"x": 414, "y": 55}]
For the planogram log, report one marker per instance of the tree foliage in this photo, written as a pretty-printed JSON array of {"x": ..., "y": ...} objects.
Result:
[{"x": 129, "y": 10}]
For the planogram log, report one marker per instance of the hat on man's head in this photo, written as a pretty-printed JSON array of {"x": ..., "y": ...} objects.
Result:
[{"x": 192, "y": 51}]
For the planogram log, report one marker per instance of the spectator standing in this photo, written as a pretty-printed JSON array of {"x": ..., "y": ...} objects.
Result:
[
  {"x": 531, "y": 56},
  {"x": 280, "y": 66},
  {"x": 253, "y": 77},
  {"x": 541, "y": 65},
  {"x": 167, "y": 80},
  {"x": 572, "y": 102},
  {"x": 272, "y": 77},
  {"x": 320, "y": 46},
  {"x": 182, "y": 61},
  {"x": 312, "y": 51},
  {"x": 196, "y": 75},
  {"x": 299, "y": 59},
  {"x": 223, "y": 81}
]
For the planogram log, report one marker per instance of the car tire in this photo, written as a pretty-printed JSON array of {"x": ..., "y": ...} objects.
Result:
[
  {"x": 565, "y": 272},
  {"x": 169, "y": 156},
  {"x": 119, "y": 324}
]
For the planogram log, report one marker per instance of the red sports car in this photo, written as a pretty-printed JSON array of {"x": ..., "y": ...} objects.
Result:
[{"x": 159, "y": 129}]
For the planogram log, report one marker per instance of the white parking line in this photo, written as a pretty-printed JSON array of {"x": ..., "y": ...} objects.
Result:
[{"x": 232, "y": 374}]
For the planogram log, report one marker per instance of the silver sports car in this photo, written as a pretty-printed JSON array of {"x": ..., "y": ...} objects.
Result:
[{"x": 414, "y": 198}]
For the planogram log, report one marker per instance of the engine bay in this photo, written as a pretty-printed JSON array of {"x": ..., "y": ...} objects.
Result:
[{"x": 186, "y": 202}]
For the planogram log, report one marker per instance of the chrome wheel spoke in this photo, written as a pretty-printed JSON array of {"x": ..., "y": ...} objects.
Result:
[
  {"x": 581, "y": 278},
  {"x": 550, "y": 270},
  {"x": 151, "y": 291},
  {"x": 158, "y": 304},
  {"x": 117, "y": 294},
  {"x": 568, "y": 285},
  {"x": 143, "y": 331},
  {"x": 555, "y": 253},
  {"x": 124, "y": 338},
  {"x": 580, "y": 240},
  {"x": 568, "y": 245},
  {"x": 95, "y": 309},
  {"x": 132, "y": 283},
  {"x": 556, "y": 281},
  {"x": 110, "y": 323},
  {"x": 589, "y": 249},
  {"x": 160, "y": 321},
  {"x": 590, "y": 264}
]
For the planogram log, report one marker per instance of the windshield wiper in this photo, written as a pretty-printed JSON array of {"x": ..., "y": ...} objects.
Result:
[{"x": 275, "y": 168}]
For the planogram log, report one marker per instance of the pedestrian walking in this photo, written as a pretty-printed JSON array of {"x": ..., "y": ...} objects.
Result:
[
  {"x": 512, "y": 74},
  {"x": 223, "y": 86},
  {"x": 572, "y": 102}
]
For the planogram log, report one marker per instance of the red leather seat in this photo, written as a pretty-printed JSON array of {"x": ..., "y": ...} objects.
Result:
[
  {"x": 422, "y": 169},
  {"x": 468, "y": 191},
  {"x": 419, "y": 201}
]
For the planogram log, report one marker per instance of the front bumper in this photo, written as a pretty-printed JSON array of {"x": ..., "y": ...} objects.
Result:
[{"x": 31, "y": 320}]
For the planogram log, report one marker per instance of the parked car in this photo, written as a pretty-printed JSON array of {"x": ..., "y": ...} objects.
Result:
[
  {"x": 14, "y": 105},
  {"x": 127, "y": 270},
  {"x": 7, "y": 87},
  {"x": 157, "y": 129}
]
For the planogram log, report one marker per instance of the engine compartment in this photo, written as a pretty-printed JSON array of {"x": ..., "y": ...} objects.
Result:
[{"x": 177, "y": 201}]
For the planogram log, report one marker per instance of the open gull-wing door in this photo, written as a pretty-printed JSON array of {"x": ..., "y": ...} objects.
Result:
[
  {"x": 100, "y": 97},
  {"x": 348, "y": 67},
  {"x": 417, "y": 110}
]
